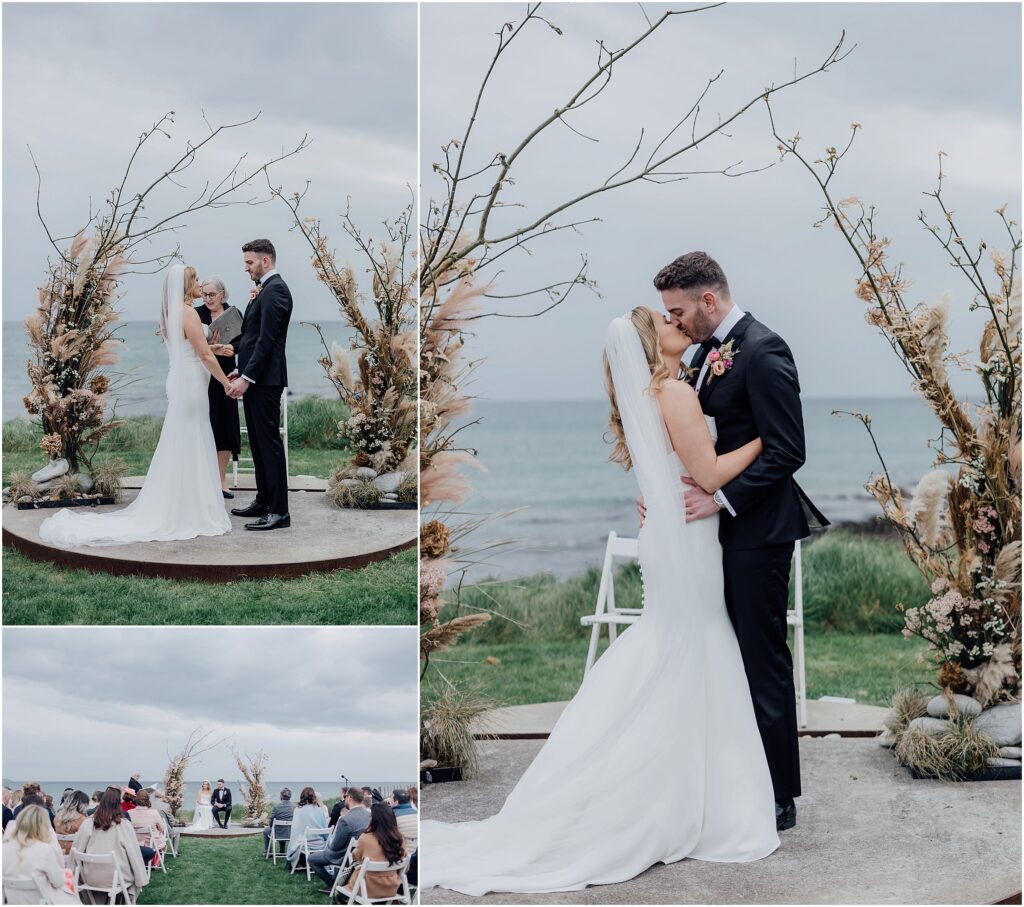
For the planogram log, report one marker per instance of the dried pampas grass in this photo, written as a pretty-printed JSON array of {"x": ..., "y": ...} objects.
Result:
[{"x": 927, "y": 505}]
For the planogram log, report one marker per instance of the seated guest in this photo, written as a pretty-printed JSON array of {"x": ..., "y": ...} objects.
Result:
[
  {"x": 414, "y": 796},
  {"x": 64, "y": 796},
  {"x": 383, "y": 842},
  {"x": 145, "y": 816},
  {"x": 308, "y": 814},
  {"x": 109, "y": 831},
  {"x": 70, "y": 817},
  {"x": 283, "y": 812},
  {"x": 338, "y": 810},
  {"x": 164, "y": 808},
  {"x": 327, "y": 862},
  {"x": 32, "y": 789},
  {"x": 8, "y": 812},
  {"x": 29, "y": 853},
  {"x": 408, "y": 820},
  {"x": 30, "y": 800},
  {"x": 127, "y": 799},
  {"x": 94, "y": 801}
]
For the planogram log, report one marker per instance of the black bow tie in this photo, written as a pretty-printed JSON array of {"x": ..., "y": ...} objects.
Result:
[{"x": 712, "y": 343}]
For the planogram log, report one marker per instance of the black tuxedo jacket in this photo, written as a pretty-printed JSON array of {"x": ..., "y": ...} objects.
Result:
[
  {"x": 221, "y": 798},
  {"x": 760, "y": 397},
  {"x": 261, "y": 348}
]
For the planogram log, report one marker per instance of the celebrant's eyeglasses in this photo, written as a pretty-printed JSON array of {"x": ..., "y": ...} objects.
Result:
[{"x": 211, "y": 295}]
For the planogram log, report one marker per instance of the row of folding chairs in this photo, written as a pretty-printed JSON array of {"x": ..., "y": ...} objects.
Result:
[
  {"x": 354, "y": 889},
  {"x": 16, "y": 888}
]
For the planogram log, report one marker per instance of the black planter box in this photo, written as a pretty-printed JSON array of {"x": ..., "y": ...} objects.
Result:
[
  {"x": 66, "y": 502},
  {"x": 989, "y": 773},
  {"x": 441, "y": 774},
  {"x": 386, "y": 505}
]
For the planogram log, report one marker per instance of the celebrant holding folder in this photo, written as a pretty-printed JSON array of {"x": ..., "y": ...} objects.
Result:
[{"x": 225, "y": 323}]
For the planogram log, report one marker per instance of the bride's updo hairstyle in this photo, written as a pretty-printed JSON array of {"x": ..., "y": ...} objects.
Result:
[
  {"x": 643, "y": 320},
  {"x": 191, "y": 279}
]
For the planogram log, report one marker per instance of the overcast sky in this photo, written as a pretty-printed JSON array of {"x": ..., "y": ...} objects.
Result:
[
  {"x": 923, "y": 77},
  {"x": 88, "y": 703},
  {"x": 83, "y": 80}
]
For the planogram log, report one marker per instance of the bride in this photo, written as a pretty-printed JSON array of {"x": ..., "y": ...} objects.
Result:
[
  {"x": 203, "y": 816},
  {"x": 667, "y": 705},
  {"x": 181, "y": 495}
]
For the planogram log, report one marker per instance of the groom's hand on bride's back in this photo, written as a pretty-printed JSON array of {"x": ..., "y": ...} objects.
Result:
[
  {"x": 641, "y": 509},
  {"x": 699, "y": 504}
]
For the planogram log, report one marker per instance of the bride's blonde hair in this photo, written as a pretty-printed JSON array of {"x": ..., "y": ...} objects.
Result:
[
  {"x": 647, "y": 329},
  {"x": 191, "y": 279}
]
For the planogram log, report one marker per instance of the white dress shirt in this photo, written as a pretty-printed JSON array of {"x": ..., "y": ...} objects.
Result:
[
  {"x": 720, "y": 333},
  {"x": 266, "y": 276}
]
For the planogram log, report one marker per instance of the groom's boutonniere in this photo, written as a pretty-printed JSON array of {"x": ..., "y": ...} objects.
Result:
[{"x": 720, "y": 361}]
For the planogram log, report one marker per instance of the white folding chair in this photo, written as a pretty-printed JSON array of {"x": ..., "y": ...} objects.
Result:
[
  {"x": 346, "y": 863},
  {"x": 275, "y": 838},
  {"x": 28, "y": 885},
  {"x": 313, "y": 841},
  {"x": 355, "y": 890},
  {"x": 795, "y": 619},
  {"x": 118, "y": 886},
  {"x": 606, "y": 614},
  {"x": 65, "y": 838},
  {"x": 168, "y": 835},
  {"x": 284, "y": 437},
  {"x": 148, "y": 832}
]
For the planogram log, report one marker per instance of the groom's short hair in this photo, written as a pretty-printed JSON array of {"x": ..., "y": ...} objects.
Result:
[
  {"x": 694, "y": 270},
  {"x": 261, "y": 247}
]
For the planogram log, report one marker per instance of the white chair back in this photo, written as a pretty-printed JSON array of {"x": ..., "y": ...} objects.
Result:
[
  {"x": 12, "y": 885},
  {"x": 795, "y": 619},
  {"x": 117, "y": 887},
  {"x": 313, "y": 841},
  {"x": 356, "y": 893},
  {"x": 346, "y": 863},
  {"x": 276, "y": 827}
]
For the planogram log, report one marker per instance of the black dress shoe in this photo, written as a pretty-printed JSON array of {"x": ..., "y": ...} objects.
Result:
[
  {"x": 270, "y": 521},
  {"x": 227, "y": 494},
  {"x": 253, "y": 509},
  {"x": 785, "y": 815}
]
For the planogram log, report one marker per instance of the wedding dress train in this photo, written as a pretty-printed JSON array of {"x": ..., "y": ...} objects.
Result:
[
  {"x": 665, "y": 713},
  {"x": 181, "y": 495},
  {"x": 202, "y": 820}
]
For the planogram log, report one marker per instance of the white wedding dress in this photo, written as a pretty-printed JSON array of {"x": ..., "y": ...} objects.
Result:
[
  {"x": 666, "y": 711},
  {"x": 181, "y": 495},
  {"x": 203, "y": 818}
]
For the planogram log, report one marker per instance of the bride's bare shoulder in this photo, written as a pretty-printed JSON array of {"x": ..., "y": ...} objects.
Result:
[{"x": 678, "y": 400}]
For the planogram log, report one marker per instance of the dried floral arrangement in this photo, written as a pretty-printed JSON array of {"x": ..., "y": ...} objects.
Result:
[
  {"x": 467, "y": 231},
  {"x": 376, "y": 377},
  {"x": 253, "y": 769},
  {"x": 198, "y": 742},
  {"x": 72, "y": 334},
  {"x": 961, "y": 528}
]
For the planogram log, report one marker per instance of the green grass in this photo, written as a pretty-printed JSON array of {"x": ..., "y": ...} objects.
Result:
[
  {"x": 313, "y": 444},
  {"x": 40, "y": 593},
  {"x": 852, "y": 584},
  {"x": 232, "y": 871},
  {"x": 866, "y": 668}
]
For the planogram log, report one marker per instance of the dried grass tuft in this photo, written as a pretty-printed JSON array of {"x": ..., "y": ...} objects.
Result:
[
  {"x": 21, "y": 486},
  {"x": 66, "y": 488},
  {"x": 446, "y": 736},
  {"x": 363, "y": 493},
  {"x": 107, "y": 478}
]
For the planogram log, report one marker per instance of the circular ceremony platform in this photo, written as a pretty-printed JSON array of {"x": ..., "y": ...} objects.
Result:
[
  {"x": 321, "y": 538},
  {"x": 232, "y": 831},
  {"x": 866, "y": 833}
]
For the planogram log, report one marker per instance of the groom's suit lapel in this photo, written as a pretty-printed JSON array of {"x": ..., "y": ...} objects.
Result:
[
  {"x": 736, "y": 335},
  {"x": 253, "y": 303}
]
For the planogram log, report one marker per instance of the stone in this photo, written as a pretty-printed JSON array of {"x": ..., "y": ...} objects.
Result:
[
  {"x": 938, "y": 706},
  {"x": 998, "y": 760},
  {"x": 887, "y": 739},
  {"x": 364, "y": 472},
  {"x": 390, "y": 497},
  {"x": 388, "y": 482},
  {"x": 1001, "y": 723},
  {"x": 349, "y": 482},
  {"x": 933, "y": 726},
  {"x": 86, "y": 482},
  {"x": 52, "y": 470},
  {"x": 1010, "y": 752}
]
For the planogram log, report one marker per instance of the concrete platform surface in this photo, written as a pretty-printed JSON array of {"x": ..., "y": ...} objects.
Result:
[
  {"x": 866, "y": 833},
  {"x": 232, "y": 831},
  {"x": 322, "y": 537},
  {"x": 537, "y": 720},
  {"x": 247, "y": 482}
]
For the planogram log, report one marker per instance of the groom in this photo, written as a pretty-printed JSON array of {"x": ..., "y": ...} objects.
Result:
[
  {"x": 765, "y": 511},
  {"x": 260, "y": 380},
  {"x": 222, "y": 804}
]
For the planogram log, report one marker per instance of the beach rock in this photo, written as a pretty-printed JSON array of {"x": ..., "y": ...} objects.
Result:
[
  {"x": 349, "y": 482},
  {"x": 390, "y": 497},
  {"x": 1010, "y": 752},
  {"x": 85, "y": 480},
  {"x": 887, "y": 739},
  {"x": 25, "y": 499},
  {"x": 388, "y": 482},
  {"x": 1001, "y": 723},
  {"x": 933, "y": 726},
  {"x": 52, "y": 470},
  {"x": 364, "y": 472},
  {"x": 938, "y": 707},
  {"x": 999, "y": 760}
]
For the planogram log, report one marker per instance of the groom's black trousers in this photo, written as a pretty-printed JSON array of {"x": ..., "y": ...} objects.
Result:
[
  {"x": 262, "y": 405},
  {"x": 756, "y": 596}
]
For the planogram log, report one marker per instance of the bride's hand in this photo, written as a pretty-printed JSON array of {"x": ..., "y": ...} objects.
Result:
[{"x": 641, "y": 509}]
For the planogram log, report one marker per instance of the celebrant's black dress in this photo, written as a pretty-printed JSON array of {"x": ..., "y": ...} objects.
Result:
[{"x": 223, "y": 410}]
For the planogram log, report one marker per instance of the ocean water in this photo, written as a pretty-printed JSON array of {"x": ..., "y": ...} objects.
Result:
[
  {"x": 551, "y": 459},
  {"x": 142, "y": 366},
  {"x": 327, "y": 789}
]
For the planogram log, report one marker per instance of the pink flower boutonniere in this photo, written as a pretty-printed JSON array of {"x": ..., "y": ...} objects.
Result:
[{"x": 720, "y": 361}]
